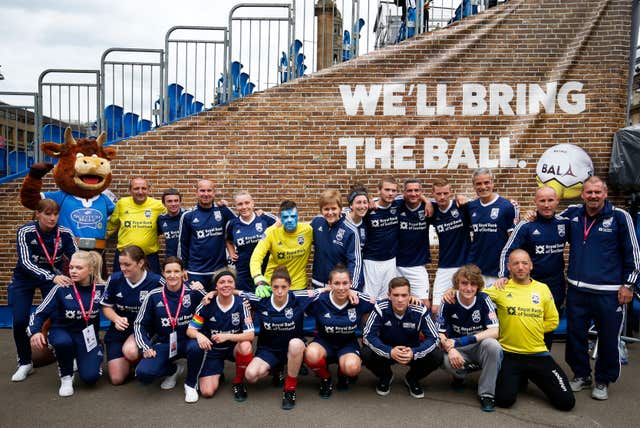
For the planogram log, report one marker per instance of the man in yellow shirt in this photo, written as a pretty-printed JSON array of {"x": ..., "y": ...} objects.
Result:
[
  {"x": 288, "y": 244},
  {"x": 526, "y": 312},
  {"x": 135, "y": 218}
]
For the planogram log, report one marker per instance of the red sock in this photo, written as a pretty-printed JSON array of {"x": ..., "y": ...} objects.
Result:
[
  {"x": 290, "y": 383},
  {"x": 242, "y": 361},
  {"x": 319, "y": 368}
]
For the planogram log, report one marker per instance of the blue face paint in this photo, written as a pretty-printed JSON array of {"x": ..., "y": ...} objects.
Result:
[{"x": 289, "y": 219}]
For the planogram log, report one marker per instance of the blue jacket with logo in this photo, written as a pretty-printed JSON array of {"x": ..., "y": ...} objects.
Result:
[{"x": 608, "y": 256}]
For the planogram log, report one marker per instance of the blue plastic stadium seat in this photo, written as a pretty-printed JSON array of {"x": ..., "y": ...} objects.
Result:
[
  {"x": 346, "y": 46},
  {"x": 52, "y": 133},
  {"x": 144, "y": 125},
  {"x": 294, "y": 49},
  {"x": 19, "y": 161},
  {"x": 300, "y": 67},
  {"x": 174, "y": 92},
  {"x": 113, "y": 117},
  {"x": 250, "y": 87},
  {"x": 185, "y": 104},
  {"x": 130, "y": 124},
  {"x": 221, "y": 91},
  {"x": 235, "y": 78},
  {"x": 242, "y": 84},
  {"x": 357, "y": 27},
  {"x": 411, "y": 22},
  {"x": 3, "y": 162},
  {"x": 284, "y": 63},
  {"x": 196, "y": 107}
]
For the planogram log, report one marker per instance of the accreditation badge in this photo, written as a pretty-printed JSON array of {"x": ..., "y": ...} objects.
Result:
[
  {"x": 90, "y": 340},
  {"x": 173, "y": 344}
]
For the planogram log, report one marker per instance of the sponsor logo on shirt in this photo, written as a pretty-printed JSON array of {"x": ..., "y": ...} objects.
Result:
[{"x": 87, "y": 218}]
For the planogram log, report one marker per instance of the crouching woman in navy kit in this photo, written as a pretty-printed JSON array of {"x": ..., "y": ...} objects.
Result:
[
  {"x": 280, "y": 341},
  {"x": 43, "y": 247},
  {"x": 223, "y": 330},
  {"x": 121, "y": 302},
  {"x": 337, "y": 319},
  {"x": 161, "y": 325},
  {"x": 75, "y": 321}
]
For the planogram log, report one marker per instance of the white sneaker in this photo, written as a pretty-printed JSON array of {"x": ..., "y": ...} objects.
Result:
[
  {"x": 22, "y": 372},
  {"x": 190, "y": 394},
  {"x": 66, "y": 386},
  {"x": 169, "y": 382},
  {"x": 600, "y": 392}
]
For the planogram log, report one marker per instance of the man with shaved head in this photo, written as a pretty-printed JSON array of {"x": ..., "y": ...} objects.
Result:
[
  {"x": 526, "y": 311},
  {"x": 544, "y": 240},
  {"x": 202, "y": 245}
]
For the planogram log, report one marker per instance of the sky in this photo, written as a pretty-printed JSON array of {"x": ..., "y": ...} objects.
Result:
[{"x": 40, "y": 34}]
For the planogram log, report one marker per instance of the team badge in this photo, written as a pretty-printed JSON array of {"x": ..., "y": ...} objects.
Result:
[
  {"x": 143, "y": 294},
  {"x": 98, "y": 295},
  {"x": 235, "y": 318},
  {"x": 288, "y": 313},
  {"x": 392, "y": 210},
  {"x": 147, "y": 213},
  {"x": 300, "y": 240},
  {"x": 351, "y": 313},
  {"x": 475, "y": 316},
  {"x": 455, "y": 213},
  {"x": 340, "y": 234},
  {"x": 421, "y": 216},
  {"x": 494, "y": 213},
  {"x": 217, "y": 215},
  {"x": 186, "y": 301},
  {"x": 561, "y": 231},
  {"x": 259, "y": 227},
  {"x": 535, "y": 298},
  {"x": 607, "y": 222}
]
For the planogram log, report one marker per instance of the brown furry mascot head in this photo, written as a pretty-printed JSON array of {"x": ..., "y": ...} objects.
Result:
[{"x": 83, "y": 169}]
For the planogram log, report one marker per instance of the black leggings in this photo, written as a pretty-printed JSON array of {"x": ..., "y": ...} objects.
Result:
[{"x": 542, "y": 371}]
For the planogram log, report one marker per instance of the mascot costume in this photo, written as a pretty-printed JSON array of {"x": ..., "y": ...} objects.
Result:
[{"x": 83, "y": 174}]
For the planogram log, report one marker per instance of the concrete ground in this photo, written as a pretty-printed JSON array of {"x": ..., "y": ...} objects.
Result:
[{"x": 35, "y": 402}]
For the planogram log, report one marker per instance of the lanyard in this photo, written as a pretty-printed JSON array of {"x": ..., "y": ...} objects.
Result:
[
  {"x": 85, "y": 315},
  {"x": 587, "y": 230},
  {"x": 172, "y": 320},
  {"x": 50, "y": 259}
]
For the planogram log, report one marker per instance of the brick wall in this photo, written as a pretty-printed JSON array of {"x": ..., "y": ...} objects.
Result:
[{"x": 284, "y": 142}]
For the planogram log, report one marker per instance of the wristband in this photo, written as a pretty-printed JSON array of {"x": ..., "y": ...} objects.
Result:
[{"x": 464, "y": 341}]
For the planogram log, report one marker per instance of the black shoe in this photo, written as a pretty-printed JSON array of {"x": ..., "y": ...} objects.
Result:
[
  {"x": 471, "y": 367},
  {"x": 325, "y": 388},
  {"x": 487, "y": 404},
  {"x": 277, "y": 381},
  {"x": 288, "y": 399},
  {"x": 415, "y": 390},
  {"x": 239, "y": 392},
  {"x": 457, "y": 384},
  {"x": 383, "y": 387},
  {"x": 343, "y": 382}
]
